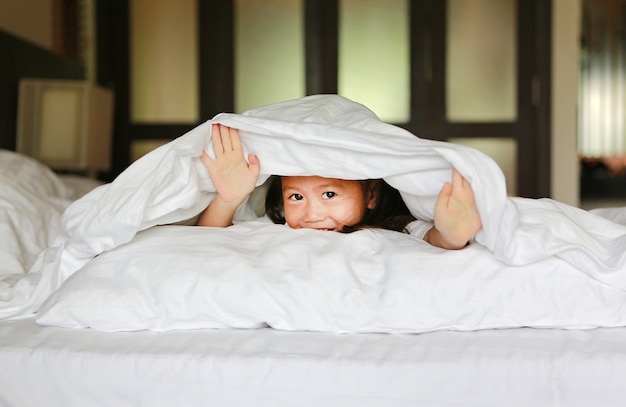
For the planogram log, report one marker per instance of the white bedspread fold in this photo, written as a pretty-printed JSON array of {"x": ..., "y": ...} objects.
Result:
[{"x": 330, "y": 136}]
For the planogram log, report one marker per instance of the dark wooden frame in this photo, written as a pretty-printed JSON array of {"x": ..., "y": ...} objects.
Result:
[
  {"x": 427, "y": 31},
  {"x": 66, "y": 29}
]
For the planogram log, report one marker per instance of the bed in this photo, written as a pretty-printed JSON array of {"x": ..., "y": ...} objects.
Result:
[
  {"x": 114, "y": 303},
  {"x": 106, "y": 297}
]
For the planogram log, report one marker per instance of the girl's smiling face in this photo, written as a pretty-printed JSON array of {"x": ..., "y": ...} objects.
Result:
[{"x": 324, "y": 203}]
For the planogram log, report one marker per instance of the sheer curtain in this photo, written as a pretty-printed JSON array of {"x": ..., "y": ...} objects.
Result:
[{"x": 602, "y": 102}]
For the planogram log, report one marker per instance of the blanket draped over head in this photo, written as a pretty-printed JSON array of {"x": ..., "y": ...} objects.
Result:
[{"x": 328, "y": 136}]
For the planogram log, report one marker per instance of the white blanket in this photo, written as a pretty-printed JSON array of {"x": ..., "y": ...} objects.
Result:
[{"x": 333, "y": 137}]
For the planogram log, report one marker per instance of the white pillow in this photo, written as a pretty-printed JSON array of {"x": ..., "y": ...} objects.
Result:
[
  {"x": 30, "y": 174},
  {"x": 32, "y": 199},
  {"x": 258, "y": 274}
]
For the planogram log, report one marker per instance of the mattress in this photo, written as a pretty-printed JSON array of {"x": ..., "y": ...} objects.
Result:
[{"x": 266, "y": 367}]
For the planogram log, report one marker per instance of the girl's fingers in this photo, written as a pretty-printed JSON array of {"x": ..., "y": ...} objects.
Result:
[
  {"x": 445, "y": 192},
  {"x": 235, "y": 139},
  {"x": 227, "y": 135},
  {"x": 253, "y": 159},
  {"x": 460, "y": 183},
  {"x": 216, "y": 139},
  {"x": 205, "y": 158},
  {"x": 457, "y": 178},
  {"x": 225, "y": 139}
]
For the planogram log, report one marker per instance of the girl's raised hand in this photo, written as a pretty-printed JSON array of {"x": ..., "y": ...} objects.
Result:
[
  {"x": 232, "y": 176},
  {"x": 456, "y": 217}
]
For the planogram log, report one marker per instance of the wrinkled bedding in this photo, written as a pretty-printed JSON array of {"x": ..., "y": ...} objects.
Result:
[
  {"x": 181, "y": 277},
  {"x": 103, "y": 238},
  {"x": 32, "y": 199}
]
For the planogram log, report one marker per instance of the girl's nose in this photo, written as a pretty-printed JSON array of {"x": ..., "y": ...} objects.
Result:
[{"x": 314, "y": 211}]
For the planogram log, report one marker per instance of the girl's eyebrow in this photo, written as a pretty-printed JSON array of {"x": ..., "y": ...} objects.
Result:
[
  {"x": 326, "y": 186},
  {"x": 330, "y": 185}
]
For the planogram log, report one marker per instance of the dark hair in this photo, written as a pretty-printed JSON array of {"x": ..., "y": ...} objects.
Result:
[{"x": 390, "y": 211}]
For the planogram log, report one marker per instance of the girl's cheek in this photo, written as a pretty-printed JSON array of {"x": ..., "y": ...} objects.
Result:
[{"x": 289, "y": 216}]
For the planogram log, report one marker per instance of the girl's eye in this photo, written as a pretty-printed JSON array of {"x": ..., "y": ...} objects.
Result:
[
  {"x": 295, "y": 197},
  {"x": 328, "y": 195}
]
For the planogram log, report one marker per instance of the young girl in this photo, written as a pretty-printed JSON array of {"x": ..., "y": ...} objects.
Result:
[{"x": 331, "y": 203}]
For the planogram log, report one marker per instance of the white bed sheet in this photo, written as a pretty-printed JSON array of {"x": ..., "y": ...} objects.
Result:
[{"x": 513, "y": 367}]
